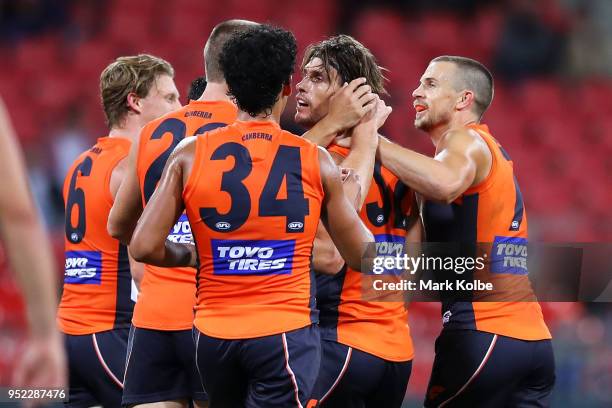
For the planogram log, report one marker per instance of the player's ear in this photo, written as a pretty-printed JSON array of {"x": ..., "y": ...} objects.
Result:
[
  {"x": 465, "y": 100},
  {"x": 134, "y": 102}
]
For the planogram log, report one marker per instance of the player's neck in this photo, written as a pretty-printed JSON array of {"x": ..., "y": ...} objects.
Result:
[
  {"x": 215, "y": 92},
  {"x": 436, "y": 134},
  {"x": 129, "y": 129},
  {"x": 262, "y": 117},
  {"x": 266, "y": 116}
]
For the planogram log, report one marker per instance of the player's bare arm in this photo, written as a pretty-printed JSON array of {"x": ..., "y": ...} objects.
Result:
[
  {"x": 463, "y": 160},
  {"x": 117, "y": 176},
  {"x": 128, "y": 201},
  {"x": 341, "y": 220},
  {"x": 360, "y": 161},
  {"x": 149, "y": 243},
  {"x": 414, "y": 222},
  {"x": 364, "y": 144},
  {"x": 43, "y": 362},
  {"x": 325, "y": 256},
  {"x": 347, "y": 106}
]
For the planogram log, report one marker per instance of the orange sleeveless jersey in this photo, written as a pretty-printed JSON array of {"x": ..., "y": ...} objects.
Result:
[
  {"x": 253, "y": 199},
  {"x": 379, "y": 328},
  {"x": 167, "y": 295},
  {"x": 492, "y": 212},
  {"x": 97, "y": 279}
]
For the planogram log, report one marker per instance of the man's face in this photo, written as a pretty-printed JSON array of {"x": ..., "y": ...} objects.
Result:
[
  {"x": 163, "y": 97},
  {"x": 435, "y": 98},
  {"x": 314, "y": 91}
]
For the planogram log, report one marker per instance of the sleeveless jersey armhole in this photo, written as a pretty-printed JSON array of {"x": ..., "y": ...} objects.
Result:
[
  {"x": 488, "y": 181},
  {"x": 194, "y": 175}
]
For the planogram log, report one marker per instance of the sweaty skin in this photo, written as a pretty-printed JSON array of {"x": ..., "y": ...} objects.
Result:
[
  {"x": 347, "y": 105},
  {"x": 348, "y": 109},
  {"x": 326, "y": 258},
  {"x": 462, "y": 158},
  {"x": 322, "y": 97},
  {"x": 317, "y": 94}
]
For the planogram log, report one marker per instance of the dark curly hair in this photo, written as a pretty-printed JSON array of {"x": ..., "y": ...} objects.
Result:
[
  {"x": 196, "y": 89},
  {"x": 257, "y": 63}
]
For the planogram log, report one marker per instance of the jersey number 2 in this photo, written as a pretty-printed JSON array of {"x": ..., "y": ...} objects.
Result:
[{"x": 178, "y": 129}]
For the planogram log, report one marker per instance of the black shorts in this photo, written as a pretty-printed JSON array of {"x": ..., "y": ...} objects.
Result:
[
  {"x": 161, "y": 367},
  {"x": 479, "y": 369},
  {"x": 96, "y": 363},
  {"x": 273, "y": 371},
  {"x": 352, "y": 378}
]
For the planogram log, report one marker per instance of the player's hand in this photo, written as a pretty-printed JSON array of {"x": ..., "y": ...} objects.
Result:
[
  {"x": 350, "y": 103},
  {"x": 42, "y": 364},
  {"x": 366, "y": 131},
  {"x": 381, "y": 113},
  {"x": 378, "y": 115}
]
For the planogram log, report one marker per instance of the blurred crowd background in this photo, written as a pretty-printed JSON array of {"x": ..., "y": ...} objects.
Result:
[{"x": 552, "y": 63}]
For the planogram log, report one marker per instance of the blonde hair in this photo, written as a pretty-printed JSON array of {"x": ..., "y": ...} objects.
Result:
[{"x": 132, "y": 74}]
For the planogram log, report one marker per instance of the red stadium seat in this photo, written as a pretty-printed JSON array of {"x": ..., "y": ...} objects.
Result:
[
  {"x": 139, "y": 10},
  {"x": 594, "y": 98},
  {"x": 488, "y": 25},
  {"x": 372, "y": 23},
  {"x": 306, "y": 31},
  {"x": 55, "y": 92},
  {"x": 259, "y": 11},
  {"x": 91, "y": 57},
  {"x": 131, "y": 30},
  {"x": 547, "y": 133},
  {"x": 28, "y": 130},
  {"x": 543, "y": 98},
  {"x": 37, "y": 54},
  {"x": 442, "y": 35}
]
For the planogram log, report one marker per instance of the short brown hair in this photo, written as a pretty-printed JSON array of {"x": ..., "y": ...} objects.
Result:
[
  {"x": 473, "y": 76},
  {"x": 350, "y": 59},
  {"x": 217, "y": 39},
  {"x": 126, "y": 75}
]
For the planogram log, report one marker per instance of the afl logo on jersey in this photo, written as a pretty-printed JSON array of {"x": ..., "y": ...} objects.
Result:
[
  {"x": 294, "y": 226},
  {"x": 380, "y": 218},
  {"x": 222, "y": 226},
  {"x": 74, "y": 237}
]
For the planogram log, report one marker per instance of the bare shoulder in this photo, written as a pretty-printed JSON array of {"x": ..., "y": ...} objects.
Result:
[
  {"x": 325, "y": 159},
  {"x": 330, "y": 172},
  {"x": 186, "y": 148},
  {"x": 466, "y": 141},
  {"x": 182, "y": 157},
  {"x": 121, "y": 165}
]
